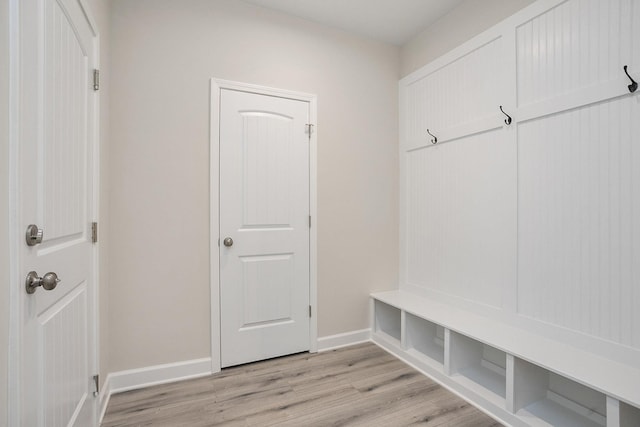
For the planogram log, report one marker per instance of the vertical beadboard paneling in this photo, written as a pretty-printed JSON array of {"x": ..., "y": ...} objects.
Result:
[
  {"x": 63, "y": 344},
  {"x": 635, "y": 37},
  {"x": 65, "y": 135},
  {"x": 576, "y": 45},
  {"x": 441, "y": 99},
  {"x": 267, "y": 140},
  {"x": 579, "y": 220},
  {"x": 461, "y": 217}
]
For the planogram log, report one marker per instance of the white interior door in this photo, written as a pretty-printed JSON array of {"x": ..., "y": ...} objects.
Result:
[
  {"x": 55, "y": 192},
  {"x": 264, "y": 210}
]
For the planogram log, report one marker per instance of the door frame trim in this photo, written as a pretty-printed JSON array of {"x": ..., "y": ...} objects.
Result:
[
  {"x": 16, "y": 238},
  {"x": 214, "y": 214}
]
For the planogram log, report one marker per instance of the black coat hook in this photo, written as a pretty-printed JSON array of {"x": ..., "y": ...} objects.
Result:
[
  {"x": 508, "y": 119},
  {"x": 634, "y": 85},
  {"x": 434, "y": 140}
]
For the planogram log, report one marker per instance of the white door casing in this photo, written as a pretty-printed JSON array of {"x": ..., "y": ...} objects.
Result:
[
  {"x": 54, "y": 188},
  {"x": 264, "y": 283}
]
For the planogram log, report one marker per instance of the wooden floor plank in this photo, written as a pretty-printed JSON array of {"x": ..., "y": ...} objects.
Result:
[{"x": 360, "y": 385}]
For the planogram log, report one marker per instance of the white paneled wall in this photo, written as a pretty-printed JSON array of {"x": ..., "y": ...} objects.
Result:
[
  {"x": 440, "y": 99},
  {"x": 577, "y": 202},
  {"x": 573, "y": 46},
  {"x": 635, "y": 36},
  {"x": 522, "y": 239},
  {"x": 534, "y": 222},
  {"x": 459, "y": 193},
  {"x": 578, "y": 220}
]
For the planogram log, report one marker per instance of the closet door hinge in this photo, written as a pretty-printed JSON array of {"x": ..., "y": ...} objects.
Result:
[
  {"x": 308, "y": 129},
  {"x": 309, "y": 311},
  {"x": 309, "y": 221},
  {"x": 94, "y": 232},
  {"x": 96, "y": 79},
  {"x": 96, "y": 383}
]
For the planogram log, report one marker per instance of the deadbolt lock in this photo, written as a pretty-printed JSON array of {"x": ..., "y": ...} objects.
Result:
[{"x": 34, "y": 235}]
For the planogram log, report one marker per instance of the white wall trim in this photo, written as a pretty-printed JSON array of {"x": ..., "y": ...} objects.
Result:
[
  {"x": 89, "y": 16},
  {"x": 332, "y": 342},
  {"x": 133, "y": 379},
  {"x": 105, "y": 396},
  {"x": 15, "y": 296},
  {"x": 496, "y": 31},
  {"x": 264, "y": 90},
  {"x": 214, "y": 224},
  {"x": 313, "y": 232}
]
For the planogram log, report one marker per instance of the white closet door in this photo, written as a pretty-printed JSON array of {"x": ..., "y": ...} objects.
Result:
[
  {"x": 264, "y": 214},
  {"x": 56, "y": 142}
]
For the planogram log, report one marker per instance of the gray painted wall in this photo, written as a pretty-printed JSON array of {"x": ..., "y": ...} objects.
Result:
[{"x": 163, "y": 54}]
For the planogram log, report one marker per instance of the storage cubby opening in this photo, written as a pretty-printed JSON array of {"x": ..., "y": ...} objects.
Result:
[
  {"x": 388, "y": 320},
  {"x": 545, "y": 398},
  {"x": 426, "y": 338},
  {"x": 478, "y": 363},
  {"x": 629, "y": 415}
]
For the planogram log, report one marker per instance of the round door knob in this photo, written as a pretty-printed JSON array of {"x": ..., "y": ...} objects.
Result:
[
  {"x": 228, "y": 241},
  {"x": 48, "y": 282}
]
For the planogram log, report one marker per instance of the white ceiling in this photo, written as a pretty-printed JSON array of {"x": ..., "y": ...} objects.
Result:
[{"x": 391, "y": 21}]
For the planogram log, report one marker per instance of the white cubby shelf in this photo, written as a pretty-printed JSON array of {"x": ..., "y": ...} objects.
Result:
[{"x": 520, "y": 378}]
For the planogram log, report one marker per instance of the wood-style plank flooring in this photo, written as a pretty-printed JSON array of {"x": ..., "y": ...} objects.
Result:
[{"x": 360, "y": 385}]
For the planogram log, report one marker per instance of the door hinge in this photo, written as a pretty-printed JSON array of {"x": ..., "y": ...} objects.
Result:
[
  {"x": 309, "y": 221},
  {"x": 94, "y": 232},
  {"x": 96, "y": 79},
  {"x": 309, "y": 129},
  {"x": 96, "y": 383},
  {"x": 309, "y": 311}
]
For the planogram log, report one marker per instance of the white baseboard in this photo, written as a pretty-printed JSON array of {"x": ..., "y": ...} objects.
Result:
[
  {"x": 105, "y": 395},
  {"x": 333, "y": 342},
  {"x": 133, "y": 379}
]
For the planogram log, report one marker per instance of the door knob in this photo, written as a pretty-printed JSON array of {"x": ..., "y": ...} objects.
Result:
[
  {"x": 33, "y": 235},
  {"x": 228, "y": 241},
  {"x": 49, "y": 281}
]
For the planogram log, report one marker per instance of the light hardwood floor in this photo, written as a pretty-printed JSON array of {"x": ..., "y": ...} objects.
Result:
[{"x": 360, "y": 385}]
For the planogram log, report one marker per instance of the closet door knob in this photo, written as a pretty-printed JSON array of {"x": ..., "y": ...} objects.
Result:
[
  {"x": 228, "y": 241},
  {"x": 48, "y": 282}
]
